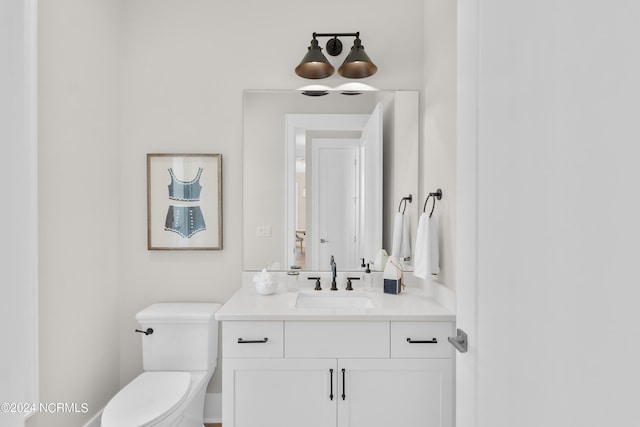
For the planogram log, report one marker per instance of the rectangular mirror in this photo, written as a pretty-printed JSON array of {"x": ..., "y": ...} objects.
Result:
[{"x": 324, "y": 175}]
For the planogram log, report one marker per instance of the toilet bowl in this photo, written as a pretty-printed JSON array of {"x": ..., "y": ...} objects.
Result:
[{"x": 179, "y": 347}]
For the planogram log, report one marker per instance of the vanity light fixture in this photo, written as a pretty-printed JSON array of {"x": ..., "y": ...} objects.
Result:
[{"x": 315, "y": 65}]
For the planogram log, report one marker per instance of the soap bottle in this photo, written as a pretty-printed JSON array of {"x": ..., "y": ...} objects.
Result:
[{"x": 368, "y": 279}]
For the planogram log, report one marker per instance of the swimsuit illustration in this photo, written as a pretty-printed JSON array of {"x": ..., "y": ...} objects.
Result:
[
  {"x": 185, "y": 220},
  {"x": 185, "y": 191}
]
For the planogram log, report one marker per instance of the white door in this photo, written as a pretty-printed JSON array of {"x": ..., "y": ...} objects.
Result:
[
  {"x": 395, "y": 392},
  {"x": 371, "y": 200},
  {"x": 335, "y": 202},
  {"x": 548, "y": 212},
  {"x": 19, "y": 214},
  {"x": 467, "y": 212},
  {"x": 279, "y": 393}
]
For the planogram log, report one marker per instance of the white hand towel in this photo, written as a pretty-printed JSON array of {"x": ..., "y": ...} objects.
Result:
[
  {"x": 427, "y": 258},
  {"x": 401, "y": 247},
  {"x": 405, "y": 253}
]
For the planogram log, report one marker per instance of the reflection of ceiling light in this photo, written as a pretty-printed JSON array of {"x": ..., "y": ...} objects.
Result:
[
  {"x": 354, "y": 88},
  {"x": 315, "y": 65},
  {"x": 315, "y": 90},
  {"x": 350, "y": 88}
]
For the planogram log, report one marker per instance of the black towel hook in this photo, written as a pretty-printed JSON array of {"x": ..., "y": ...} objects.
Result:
[
  {"x": 404, "y": 200},
  {"x": 437, "y": 195}
]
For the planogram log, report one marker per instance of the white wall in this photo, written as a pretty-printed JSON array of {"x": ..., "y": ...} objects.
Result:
[
  {"x": 184, "y": 66},
  {"x": 79, "y": 199},
  {"x": 18, "y": 215},
  {"x": 123, "y": 79},
  {"x": 438, "y": 152},
  {"x": 558, "y": 226}
]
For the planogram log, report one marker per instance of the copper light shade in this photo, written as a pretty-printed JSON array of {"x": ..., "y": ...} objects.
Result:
[
  {"x": 357, "y": 65},
  {"x": 314, "y": 65}
]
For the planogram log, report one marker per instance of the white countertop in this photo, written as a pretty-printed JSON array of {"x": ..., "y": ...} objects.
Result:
[{"x": 411, "y": 305}]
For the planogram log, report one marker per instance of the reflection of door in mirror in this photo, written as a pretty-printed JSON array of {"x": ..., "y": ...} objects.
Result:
[
  {"x": 336, "y": 189},
  {"x": 342, "y": 162}
]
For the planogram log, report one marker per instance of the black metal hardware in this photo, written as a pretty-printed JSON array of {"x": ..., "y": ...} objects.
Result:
[
  {"x": 334, "y": 45},
  {"x": 317, "y": 279},
  {"x": 149, "y": 331},
  {"x": 404, "y": 201},
  {"x": 331, "y": 376},
  {"x": 349, "y": 279},
  {"x": 437, "y": 195},
  {"x": 431, "y": 341},
  {"x": 315, "y": 65},
  {"x": 241, "y": 341},
  {"x": 343, "y": 383},
  {"x": 334, "y": 285}
]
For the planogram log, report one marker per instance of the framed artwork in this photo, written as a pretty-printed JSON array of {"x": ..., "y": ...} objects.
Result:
[{"x": 184, "y": 202}]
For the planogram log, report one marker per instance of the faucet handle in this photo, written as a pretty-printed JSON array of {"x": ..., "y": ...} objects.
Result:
[
  {"x": 349, "y": 279},
  {"x": 317, "y": 279}
]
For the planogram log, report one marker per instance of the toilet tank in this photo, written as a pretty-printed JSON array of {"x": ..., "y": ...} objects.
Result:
[{"x": 184, "y": 338}]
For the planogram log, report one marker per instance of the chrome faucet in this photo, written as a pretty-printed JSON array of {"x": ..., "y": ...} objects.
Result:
[{"x": 334, "y": 286}]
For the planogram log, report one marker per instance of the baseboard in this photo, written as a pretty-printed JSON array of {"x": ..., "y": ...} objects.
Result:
[
  {"x": 213, "y": 408},
  {"x": 212, "y": 411}
]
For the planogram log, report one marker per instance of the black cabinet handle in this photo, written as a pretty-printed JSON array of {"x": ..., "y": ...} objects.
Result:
[
  {"x": 432, "y": 341},
  {"x": 241, "y": 341},
  {"x": 331, "y": 376},
  {"x": 343, "y": 383}
]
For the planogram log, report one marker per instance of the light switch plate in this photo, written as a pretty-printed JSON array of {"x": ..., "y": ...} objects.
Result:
[{"x": 263, "y": 231}]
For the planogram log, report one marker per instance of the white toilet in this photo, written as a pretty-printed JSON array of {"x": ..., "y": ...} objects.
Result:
[{"x": 179, "y": 356}]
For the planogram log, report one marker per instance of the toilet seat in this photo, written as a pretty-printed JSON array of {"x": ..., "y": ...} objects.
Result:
[{"x": 147, "y": 399}]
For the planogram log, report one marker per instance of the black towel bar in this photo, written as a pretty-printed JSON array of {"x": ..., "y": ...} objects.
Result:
[
  {"x": 404, "y": 201},
  {"x": 437, "y": 195}
]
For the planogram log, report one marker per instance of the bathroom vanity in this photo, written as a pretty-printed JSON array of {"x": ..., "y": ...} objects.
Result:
[{"x": 345, "y": 359}]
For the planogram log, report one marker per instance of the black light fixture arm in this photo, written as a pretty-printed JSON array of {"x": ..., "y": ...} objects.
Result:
[
  {"x": 334, "y": 46},
  {"x": 356, "y": 35}
]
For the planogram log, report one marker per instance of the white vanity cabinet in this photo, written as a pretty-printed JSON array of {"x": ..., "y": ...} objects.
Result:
[{"x": 337, "y": 373}]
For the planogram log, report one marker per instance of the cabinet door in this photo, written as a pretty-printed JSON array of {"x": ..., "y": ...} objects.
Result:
[
  {"x": 395, "y": 392},
  {"x": 279, "y": 393}
]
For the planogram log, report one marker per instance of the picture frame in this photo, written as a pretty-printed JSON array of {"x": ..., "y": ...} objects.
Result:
[{"x": 184, "y": 201}]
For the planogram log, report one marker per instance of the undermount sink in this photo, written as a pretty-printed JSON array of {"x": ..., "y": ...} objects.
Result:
[{"x": 317, "y": 300}]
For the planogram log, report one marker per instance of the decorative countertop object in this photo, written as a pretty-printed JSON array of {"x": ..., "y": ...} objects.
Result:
[{"x": 265, "y": 285}]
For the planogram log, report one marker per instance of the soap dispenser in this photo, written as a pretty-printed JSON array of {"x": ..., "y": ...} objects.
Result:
[{"x": 368, "y": 279}]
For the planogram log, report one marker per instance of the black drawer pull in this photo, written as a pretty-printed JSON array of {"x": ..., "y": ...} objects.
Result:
[
  {"x": 343, "y": 386},
  {"x": 432, "y": 341},
  {"x": 241, "y": 341},
  {"x": 331, "y": 376}
]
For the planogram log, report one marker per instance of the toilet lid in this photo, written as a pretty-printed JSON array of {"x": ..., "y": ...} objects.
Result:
[{"x": 147, "y": 399}]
